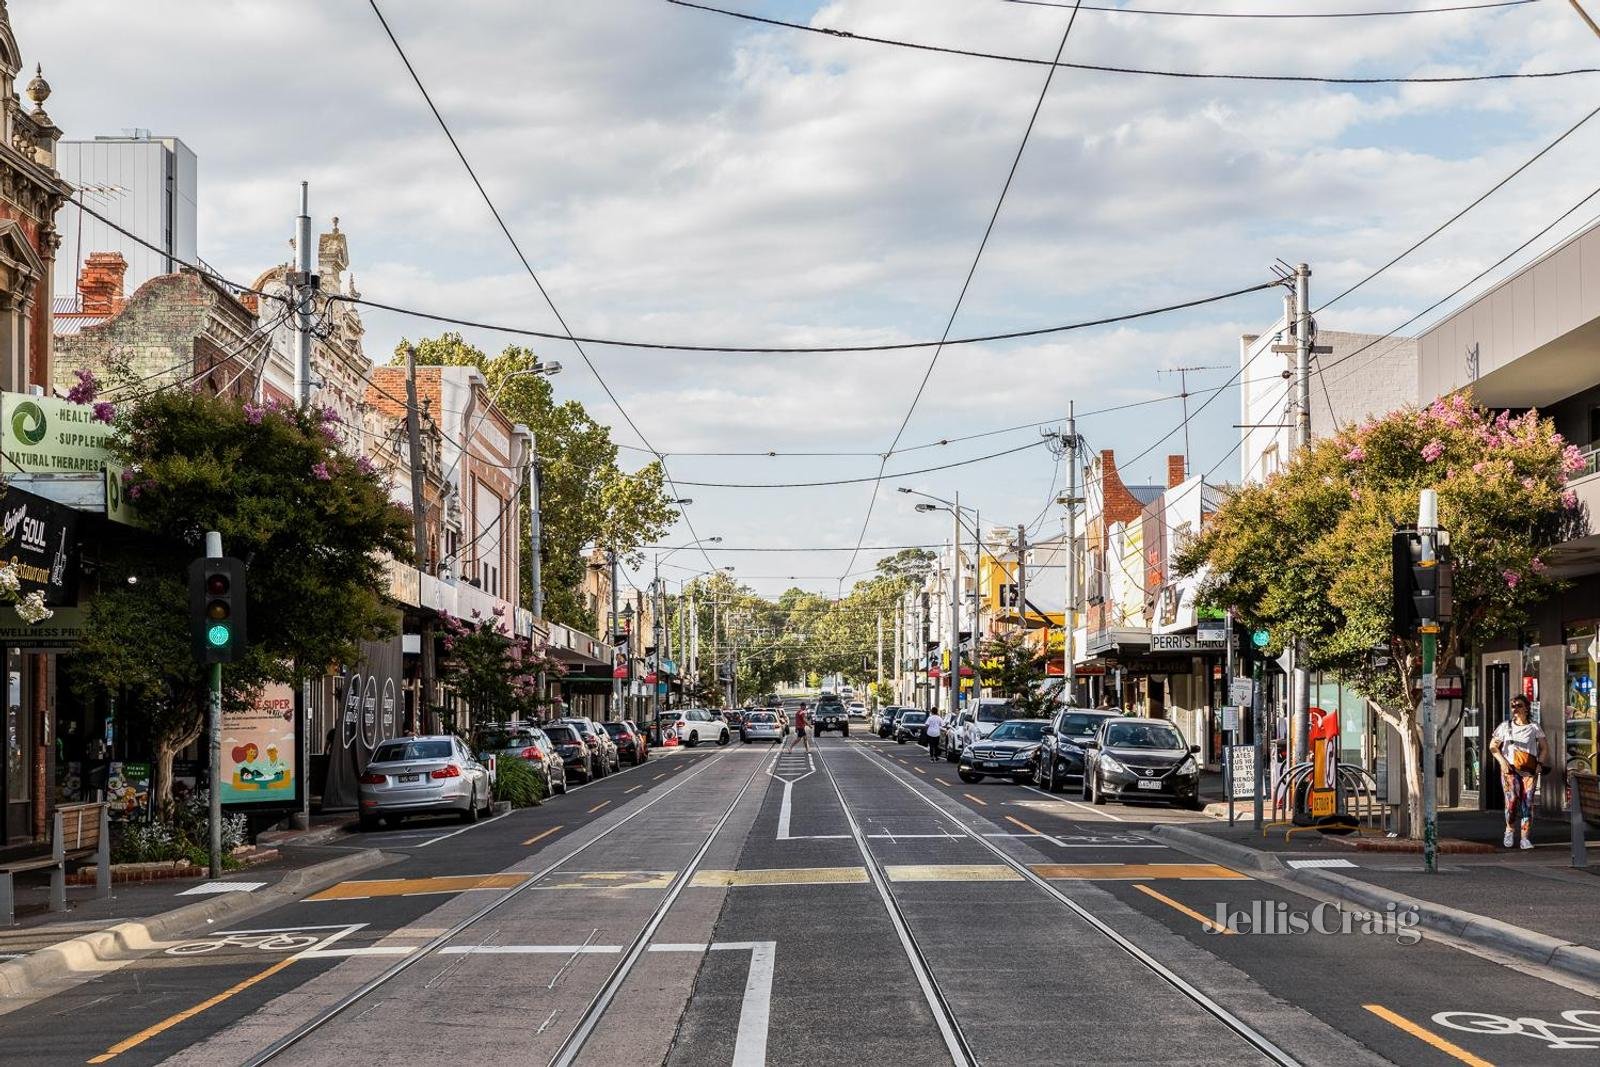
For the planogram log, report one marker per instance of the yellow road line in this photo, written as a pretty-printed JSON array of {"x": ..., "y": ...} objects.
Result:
[
  {"x": 942, "y": 782},
  {"x": 635, "y": 789},
  {"x": 1422, "y": 1034},
  {"x": 1019, "y": 822},
  {"x": 597, "y": 807},
  {"x": 975, "y": 800},
  {"x": 415, "y": 887},
  {"x": 1209, "y": 924},
  {"x": 188, "y": 1013},
  {"x": 541, "y": 836},
  {"x": 919, "y": 770},
  {"x": 781, "y": 876},
  {"x": 660, "y": 776},
  {"x": 1127, "y": 871},
  {"x": 611, "y": 880},
  {"x": 951, "y": 872}
]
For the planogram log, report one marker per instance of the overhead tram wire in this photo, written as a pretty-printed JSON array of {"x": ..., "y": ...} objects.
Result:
[
  {"x": 966, "y": 283},
  {"x": 730, "y": 348},
  {"x": 1491, "y": 4},
  {"x": 1101, "y": 68}
]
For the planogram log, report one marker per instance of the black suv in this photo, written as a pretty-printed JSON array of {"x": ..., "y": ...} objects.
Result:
[
  {"x": 831, "y": 714},
  {"x": 1061, "y": 753}
]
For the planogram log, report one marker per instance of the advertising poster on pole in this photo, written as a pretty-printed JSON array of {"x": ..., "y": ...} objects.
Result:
[{"x": 259, "y": 750}]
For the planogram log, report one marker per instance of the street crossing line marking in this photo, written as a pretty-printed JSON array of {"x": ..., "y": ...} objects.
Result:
[
  {"x": 416, "y": 887},
  {"x": 950, "y": 872},
  {"x": 1129, "y": 871},
  {"x": 597, "y": 807},
  {"x": 188, "y": 1013},
  {"x": 976, "y": 800},
  {"x": 541, "y": 836},
  {"x": 1185, "y": 909},
  {"x": 206, "y": 888},
  {"x": 1302, "y": 864},
  {"x": 611, "y": 880},
  {"x": 780, "y": 876},
  {"x": 1422, "y": 1033}
]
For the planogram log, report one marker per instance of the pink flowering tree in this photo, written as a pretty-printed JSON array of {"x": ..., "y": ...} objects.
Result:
[
  {"x": 1307, "y": 556},
  {"x": 493, "y": 670}
]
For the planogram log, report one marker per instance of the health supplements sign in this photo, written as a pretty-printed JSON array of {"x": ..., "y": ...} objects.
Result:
[{"x": 44, "y": 435}]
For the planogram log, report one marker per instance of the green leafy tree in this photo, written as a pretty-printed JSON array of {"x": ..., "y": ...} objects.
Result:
[
  {"x": 585, "y": 497},
  {"x": 1306, "y": 555},
  {"x": 312, "y": 525},
  {"x": 1014, "y": 667}
]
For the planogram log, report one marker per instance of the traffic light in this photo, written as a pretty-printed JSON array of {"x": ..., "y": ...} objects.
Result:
[
  {"x": 1421, "y": 589},
  {"x": 216, "y": 609}
]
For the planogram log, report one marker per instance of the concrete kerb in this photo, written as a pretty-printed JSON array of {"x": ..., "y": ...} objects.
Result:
[
  {"x": 87, "y": 954},
  {"x": 1579, "y": 961}
]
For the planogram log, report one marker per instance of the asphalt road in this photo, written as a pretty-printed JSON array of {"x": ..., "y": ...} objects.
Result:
[{"x": 748, "y": 905}]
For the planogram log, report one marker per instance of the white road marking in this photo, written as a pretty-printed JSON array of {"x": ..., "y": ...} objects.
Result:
[
  {"x": 1075, "y": 803},
  {"x": 464, "y": 829},
  {"x": 1302, "y": 864},
  {"x": 221, "y": 887},
  {"x": 368, "y": 950},
  {"x": 788, "y": 789},
  {"x": 527, "y": 950}
]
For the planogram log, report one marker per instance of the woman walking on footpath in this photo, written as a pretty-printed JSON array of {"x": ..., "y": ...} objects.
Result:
[{"x": 1519, "y": 747}]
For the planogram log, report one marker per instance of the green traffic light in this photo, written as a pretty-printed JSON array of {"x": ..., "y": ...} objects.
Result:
[
  {"x": 1261, "y": 639},
  {"x": 218, "y": 635}
]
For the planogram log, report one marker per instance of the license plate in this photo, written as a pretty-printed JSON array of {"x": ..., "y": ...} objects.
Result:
[
  {"x": 1145, "y": 783},
  {"x": 410, "y": 777},
  {"x": 990, "y": 766}
]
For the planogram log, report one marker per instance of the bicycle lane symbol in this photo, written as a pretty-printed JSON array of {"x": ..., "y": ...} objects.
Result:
[
  {"x": 1578, "y": 1029},
  {"x": 296, "y": 940}
]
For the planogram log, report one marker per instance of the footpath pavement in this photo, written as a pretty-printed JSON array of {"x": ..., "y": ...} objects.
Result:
[
  {"x": 1532, "y": 904},
  {"x": 46, "y": 950}
]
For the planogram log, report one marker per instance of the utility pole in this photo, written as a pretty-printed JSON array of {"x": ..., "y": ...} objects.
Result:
[
  {"x": 302, "y": 288},
  {"x": 658, "y": 638},
  {"x": 899, "y": 647},
  {"x": 214, "y": 727},
  {"x": 1428, "y": 528},
  {"x": 954, "y": 671},
  {"x": 877, "y": 689},
  {"x": 1070, "y": 619},
  {"x": 1300, "y": 688},
  {"x": 535, "y": 537},
  {"x": 1022, "y": 577},
  {"x": 419, "y": 534},
  {"x": 683, "y": 643},
  {"x": 615, "y": 711}
]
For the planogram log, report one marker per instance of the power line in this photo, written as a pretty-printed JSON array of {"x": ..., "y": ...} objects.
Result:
[
  {"x": 1101, "y": 68},
  {"x": 966, "y": 284},
  {"x": 879, "y": 477},
  {"x": 1283, "y": 14},
  {"x": 1496, "y": 187},
  {"x": 528, "y": 266}
]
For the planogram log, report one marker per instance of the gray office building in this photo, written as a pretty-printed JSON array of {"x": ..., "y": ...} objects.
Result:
[{"x": 146, "y": 185}]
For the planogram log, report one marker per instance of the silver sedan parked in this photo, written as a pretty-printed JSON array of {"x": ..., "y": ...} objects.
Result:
[{"x": 423, "y": 776}]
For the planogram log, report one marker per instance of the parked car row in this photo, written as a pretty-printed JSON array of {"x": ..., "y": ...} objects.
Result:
[{"x": 441, "y": 774}]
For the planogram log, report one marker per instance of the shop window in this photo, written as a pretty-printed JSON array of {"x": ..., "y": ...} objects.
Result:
[{"x": 1578, "y": 714}]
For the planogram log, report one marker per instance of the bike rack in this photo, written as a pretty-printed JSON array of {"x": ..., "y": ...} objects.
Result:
[{"x": 1357, "y": 797}]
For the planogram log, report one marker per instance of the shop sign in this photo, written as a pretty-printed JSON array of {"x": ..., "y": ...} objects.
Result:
[
  {"x": 1241, "y": 764},
  {"x": 259, "y": 751},
  {"x": 40, "y": 539},
  {"x": 118, "y": 507},
  {"x": 1185, "y": 643},
  {"x": 64, "y": 627},
  {"x": 49, "y": 436},
  {"x": 128, "y": 788}
]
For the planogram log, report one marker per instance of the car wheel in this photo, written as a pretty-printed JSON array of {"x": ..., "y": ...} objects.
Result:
[
  {"x": 744, "y": 738},
  {"x": 1052, "y": 784},
  {"x": 557, "y": 792},
  {"x": 1099, "y": 795},
  {"x": 969, "y": 777},
  {"x": 694, "y": 738},
  {"x": 369, "y": 823},
  {"x": 1083, "y": 788},
  {"x": 1193, "y": 803},
  {"x": 845, "y": 732},
  {"x": 724, "y": 738},
  {"x": 471, "y": 814},
  {"x": 899, "y": 740}
]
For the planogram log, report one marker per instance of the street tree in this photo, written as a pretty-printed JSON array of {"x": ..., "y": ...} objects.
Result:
[
  {"x": 1015, "y": 668},
  {"x": 585, "y": 496},
  {"x": 312, "y": 525},
  {"x": 1306, "y": 555}
]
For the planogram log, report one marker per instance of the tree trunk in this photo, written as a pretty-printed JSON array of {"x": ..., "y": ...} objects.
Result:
[
  {"x": 1411, "y": 749},
  {"x": 161, "y": 778}
]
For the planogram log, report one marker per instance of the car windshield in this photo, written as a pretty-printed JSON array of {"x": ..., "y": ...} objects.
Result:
[
  {"x": 762, "y": 716},
  {"x": 580, "y": 725},
  {"x": 1143, "y": 735},
  {"x": 1080, "y": 725},
  {"x": 496, "y": 737},
  {"x": 395, "y": 751},
  {"x": 617, "y": 729},
  {"x": 1031, "y": 730},
  {"x": 561, "y": 734},
  {"x": 912, "y": 718},
  {"x": 995, "y": 713}
]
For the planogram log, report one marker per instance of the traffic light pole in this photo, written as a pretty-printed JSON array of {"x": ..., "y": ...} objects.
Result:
[
  {"x": 1428, "y": 527},
  {"x": 214, "y": 727}
]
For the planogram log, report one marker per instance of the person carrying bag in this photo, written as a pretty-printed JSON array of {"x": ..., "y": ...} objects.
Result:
[{"x": 1520, "y": 749}]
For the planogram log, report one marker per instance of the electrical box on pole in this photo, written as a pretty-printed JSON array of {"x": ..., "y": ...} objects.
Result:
[{"x": 217, "y": 624}]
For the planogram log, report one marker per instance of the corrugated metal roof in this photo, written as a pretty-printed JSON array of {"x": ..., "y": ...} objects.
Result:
[
  {"x": 66, "y": 305},
  {"x": 67, "y": 325}
]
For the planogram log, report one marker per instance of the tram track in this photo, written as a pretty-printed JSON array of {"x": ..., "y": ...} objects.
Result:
[
  {"x": 956, "y": 1043},
  {"x": 596, "y": 1010}
]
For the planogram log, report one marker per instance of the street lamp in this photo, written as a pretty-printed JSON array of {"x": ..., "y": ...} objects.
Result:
[
  {"x": 955, "y": 509},
  {"x": 660, "y": 626}
]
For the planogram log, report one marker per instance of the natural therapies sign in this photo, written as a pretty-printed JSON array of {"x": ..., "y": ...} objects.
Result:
[{"x": 44, "y": 435}]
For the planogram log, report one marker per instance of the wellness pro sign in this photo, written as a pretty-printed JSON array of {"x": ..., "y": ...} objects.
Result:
[{"x": 44, "y": 435}]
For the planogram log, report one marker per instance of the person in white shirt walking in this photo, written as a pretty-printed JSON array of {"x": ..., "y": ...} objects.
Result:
[
  {"x": 1519, "y": 747},
  {"x": 932, "y": 729}
]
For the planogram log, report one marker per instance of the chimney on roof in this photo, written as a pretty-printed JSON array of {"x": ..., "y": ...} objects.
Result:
[
  {"x": 1177, "y": 470},
  {"x": 100, "y": 284}
]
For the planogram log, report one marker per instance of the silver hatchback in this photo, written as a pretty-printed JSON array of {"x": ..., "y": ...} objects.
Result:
[
  {"x": 423, "y": 776},
  {"x": 761, "y": 726}
]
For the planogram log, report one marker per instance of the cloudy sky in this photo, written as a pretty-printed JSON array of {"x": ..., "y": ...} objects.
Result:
[{"x": 678, "y": 175}]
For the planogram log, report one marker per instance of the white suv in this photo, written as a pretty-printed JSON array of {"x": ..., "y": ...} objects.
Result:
[{"x": 694, "y": 725}]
